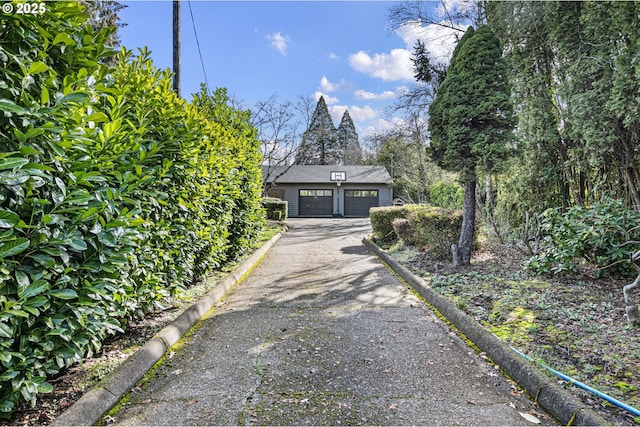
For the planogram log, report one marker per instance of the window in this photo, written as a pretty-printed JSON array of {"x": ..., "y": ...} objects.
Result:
[
  {"x": 277, "y": 193},
  {"x": 361, "y": 193},
  {"x": 316, "y": 193}
]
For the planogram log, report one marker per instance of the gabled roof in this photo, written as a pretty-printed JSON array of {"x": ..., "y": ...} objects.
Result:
[{"x": 321, "y": 174}]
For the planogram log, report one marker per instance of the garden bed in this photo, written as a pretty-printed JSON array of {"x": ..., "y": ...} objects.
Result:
[{"x": 574, "y": 324}]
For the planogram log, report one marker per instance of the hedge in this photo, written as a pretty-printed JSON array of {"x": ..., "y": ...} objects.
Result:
[
  {"x": 276, "y": 209},
  {"x": 114, "y": 193},
  {"x": 430, "y": 228},
  {"x": 382, "y": 221}
]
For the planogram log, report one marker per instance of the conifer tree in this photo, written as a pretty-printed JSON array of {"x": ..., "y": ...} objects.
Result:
[
  {"x": 471, "y": 120},
  {"x": 102, "y": 14},
  {"x": 319, "y": 144},
  {"x": 348, "y": 141}
]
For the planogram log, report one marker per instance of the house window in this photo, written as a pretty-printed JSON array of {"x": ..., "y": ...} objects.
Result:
[
  {"x": 277, "y": 193},
  {"x": 316, "y": 193},
  {"x": 361, "y": 193}
]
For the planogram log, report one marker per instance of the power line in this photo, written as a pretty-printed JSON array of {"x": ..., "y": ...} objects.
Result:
[{"x": 198, "y": 44}]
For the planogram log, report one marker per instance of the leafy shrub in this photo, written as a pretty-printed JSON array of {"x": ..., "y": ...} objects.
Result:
[
  {"x": 382, "y": 221},
  {"x": 446, "y": 195},
  {"x": 275, "y": 208},
  {"x": 234, "y": 137},
  {"x": 424, "y": 226},
  {"x": 434, "y": 229},
  {"x": 64, "y": 247},
  {"x": 114, "y": 193},
  {"x": 596, "y": 235}
]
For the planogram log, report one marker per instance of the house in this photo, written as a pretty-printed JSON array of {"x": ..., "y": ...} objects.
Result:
[{"x": 329, "y": 190}]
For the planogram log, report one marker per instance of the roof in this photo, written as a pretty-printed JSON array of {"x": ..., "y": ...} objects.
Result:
[{"x": 321, "y": 174}]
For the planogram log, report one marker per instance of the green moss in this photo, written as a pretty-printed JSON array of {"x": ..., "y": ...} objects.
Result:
[
  {"x": 518, "y": 323},
  {"x": 625, "y": 387}
]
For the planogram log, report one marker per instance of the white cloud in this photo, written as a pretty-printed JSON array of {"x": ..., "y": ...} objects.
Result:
[
  {"x": 333, "y": 56},
  {"x": 358, "y": 114},
  {"x": 387, "y": 125},
  {"x": 439, "y": 40},
  {"x": 361, "y": 114},
  {"x": 327, "y": 99},
  {"x": 456, "y": 7},
  {"x": 279, "y": 42},
  {"x": 395, "y": 65},
  {"x": 336, "y": 112},
  {"x": 380, "y": 126},
  {"x": 370, "y": 96},
  {"x": 327, "y": 86},
  {"x": 402, "y": 90}
]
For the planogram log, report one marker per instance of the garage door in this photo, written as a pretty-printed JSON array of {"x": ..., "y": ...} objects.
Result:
[
  {"x": 315, "y": 203},
  {"x": 358, "y": 202}
]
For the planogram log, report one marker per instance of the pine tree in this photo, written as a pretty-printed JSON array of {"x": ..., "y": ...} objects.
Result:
[
  {"x": 348, "y": 141},
  {"x": 471, "y": 120},
  {"x": 319, "y": 144},
  {"x": 424, "y": 69}
]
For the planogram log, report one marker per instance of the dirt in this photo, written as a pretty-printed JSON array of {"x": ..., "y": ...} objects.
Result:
[
  {"x": 69, "y": 385},
  {"x": 576, "y": 325}
]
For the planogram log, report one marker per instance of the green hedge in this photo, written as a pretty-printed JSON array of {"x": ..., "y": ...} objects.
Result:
[
  {"x": 276, "y": 209},
  {"x": 382, "y": 221},
  {"x": 114, "y": 193},
  {"x": 430, "y": 228}
]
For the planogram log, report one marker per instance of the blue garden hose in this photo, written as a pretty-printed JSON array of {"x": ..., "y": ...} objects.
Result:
[{"x": 577, "y": 383}]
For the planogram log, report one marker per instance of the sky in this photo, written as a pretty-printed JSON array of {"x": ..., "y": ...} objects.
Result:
[{"x": 342, "y": 50}]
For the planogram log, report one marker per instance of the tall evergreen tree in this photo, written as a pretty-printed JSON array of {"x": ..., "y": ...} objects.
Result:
[
  {"x": 319, "y": 142},
  {"x": 537, "y": 178},
  {"x": 576, "y": 83},
  {"x": 471, "y": 120},
  {"x": 348, "y": 141},
  {"x": 102, "y": 14}
]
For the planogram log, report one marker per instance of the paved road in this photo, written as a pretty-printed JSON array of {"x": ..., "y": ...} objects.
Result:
[{"x": 321, "y": 333}]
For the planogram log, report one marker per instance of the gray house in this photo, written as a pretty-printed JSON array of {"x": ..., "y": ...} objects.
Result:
[{"x": 329, "y": 190}]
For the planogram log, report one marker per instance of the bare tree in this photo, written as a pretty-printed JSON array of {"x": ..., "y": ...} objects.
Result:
[
  {"x": 305, "y": 107},
  {"x": 429, "y": 72},
  {"x": 453, "y": 15},
  {"x": 278, "y": 130},
  {"x": 402, "y": 150}
]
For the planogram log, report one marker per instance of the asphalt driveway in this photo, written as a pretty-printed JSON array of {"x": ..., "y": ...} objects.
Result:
[{"x": 321, "y": 333}]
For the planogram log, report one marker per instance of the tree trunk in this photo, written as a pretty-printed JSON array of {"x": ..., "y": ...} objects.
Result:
[
  {"x": 465, "y": 244},
  {"x": 632, "y": 186},
  {"x": 488, "y": 194},
  {"x": 632, "y": 306}
]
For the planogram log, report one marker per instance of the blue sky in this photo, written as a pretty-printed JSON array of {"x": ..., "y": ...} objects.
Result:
[{"x": 256, "y": 49}]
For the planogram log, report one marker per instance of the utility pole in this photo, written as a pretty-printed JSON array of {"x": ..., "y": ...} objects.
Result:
[{"x": 176, "y": 46}]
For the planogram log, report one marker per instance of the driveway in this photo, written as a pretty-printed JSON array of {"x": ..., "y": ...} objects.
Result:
[{"x": 321, "y": 333}]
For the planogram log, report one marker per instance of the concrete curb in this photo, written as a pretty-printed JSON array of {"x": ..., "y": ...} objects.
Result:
[
  {"x": 95, "y": 403},
  {"x": 554, "y": 399}
]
